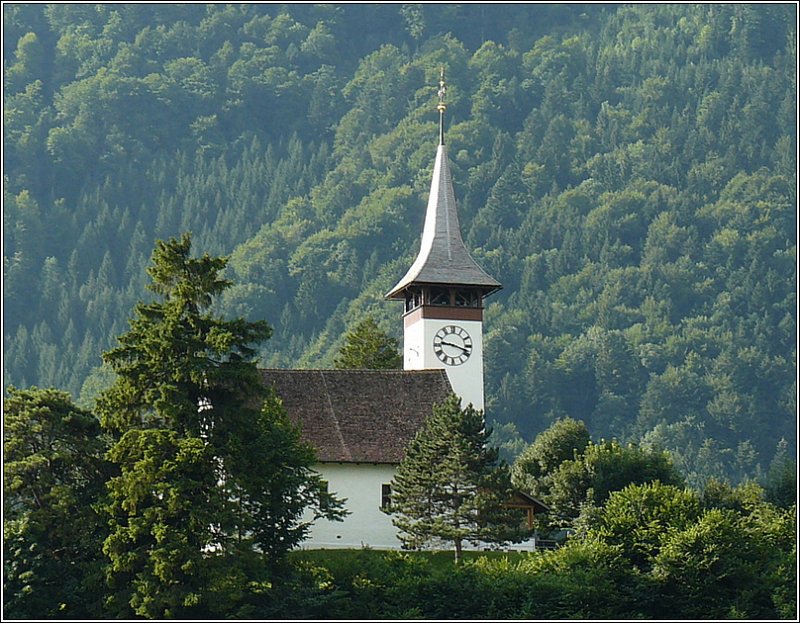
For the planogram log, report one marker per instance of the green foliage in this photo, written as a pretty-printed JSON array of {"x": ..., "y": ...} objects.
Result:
[
  {"x": 53, "y": 475},
  {"x": 781, "y": 480},
  {"x": 449, "y": 486},
  {"x": 211, "y": 489},
  {"x": 628, "y": 173},
  {"x": 602, "y": 469},
  {"x": 568, "y": 471},
  {"x": 162, "y": 507},
  {"x": 731, "y": 565},
  {"x": 366, "y": 347},
  {"x": 585, "y": 579},
  {"x": 701, "y": 564},
  {"x": 564, "y": 440},
  {"x": 176, "y": 358},
  {"x": 639, "y": 517}
]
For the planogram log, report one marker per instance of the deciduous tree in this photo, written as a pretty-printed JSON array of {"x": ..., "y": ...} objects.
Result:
[
  {"x": 53, "y": 475},
  {"x": 564, "y": 440},
  {"x": 600, "y": 470}
]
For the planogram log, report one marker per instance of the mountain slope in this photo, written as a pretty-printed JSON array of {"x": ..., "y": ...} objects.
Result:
[{"x": 627, "y": 172}]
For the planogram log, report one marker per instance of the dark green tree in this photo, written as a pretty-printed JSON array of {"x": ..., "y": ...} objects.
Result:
[
  {"x": 564, "y": 440},
  {"x": 212, "y": 486},
  {"x": 450, "y": 486},
  {"x": 600, "y": 470},
  {"x": 367, "y": 347},
  {"x": 53, "y": 476},
  {"x": 781, "y": 480}
]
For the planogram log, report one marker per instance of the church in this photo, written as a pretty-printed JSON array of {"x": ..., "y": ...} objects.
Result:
[{"x": 360, "y": 421}]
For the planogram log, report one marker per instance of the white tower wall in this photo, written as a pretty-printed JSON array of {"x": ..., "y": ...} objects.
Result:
[{"x": 467, "y": 378}]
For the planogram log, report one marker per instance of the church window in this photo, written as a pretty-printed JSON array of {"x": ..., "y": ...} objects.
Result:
[
  {"x": 386, "y": 496},
  {"x": 323, "y": 494}
]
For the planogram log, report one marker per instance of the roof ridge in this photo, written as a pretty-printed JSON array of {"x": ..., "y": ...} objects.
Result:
[{"x": 337, "y": 428}]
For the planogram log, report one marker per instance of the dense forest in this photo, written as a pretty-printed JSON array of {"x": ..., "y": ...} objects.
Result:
[{"x": 627, "y": 172}]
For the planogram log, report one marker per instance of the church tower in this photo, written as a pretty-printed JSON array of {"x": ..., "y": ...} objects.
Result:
[{"x": 444, "y": 290}]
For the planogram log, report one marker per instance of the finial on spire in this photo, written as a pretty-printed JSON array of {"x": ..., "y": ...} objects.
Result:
[{"x": 441, "y": 106}]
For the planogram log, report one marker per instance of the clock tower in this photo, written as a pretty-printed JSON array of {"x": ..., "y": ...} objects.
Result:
[{"x": 443, "y": 291}]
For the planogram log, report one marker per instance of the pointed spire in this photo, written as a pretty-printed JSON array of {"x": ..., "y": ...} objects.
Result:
[
  {"x": 443, "y": 258},
  {"x": 441, "y": 107}
]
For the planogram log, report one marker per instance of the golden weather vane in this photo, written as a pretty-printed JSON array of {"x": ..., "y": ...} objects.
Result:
[{"x": 442, "y": 91}]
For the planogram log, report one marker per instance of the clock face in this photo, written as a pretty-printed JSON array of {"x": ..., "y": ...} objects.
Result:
[{"x": 452, "y": 345}]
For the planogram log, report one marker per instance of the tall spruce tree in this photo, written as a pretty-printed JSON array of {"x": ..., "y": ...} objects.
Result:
[
  {"x": 213, "y": 480},
  {"x": 450, "y": 486}
]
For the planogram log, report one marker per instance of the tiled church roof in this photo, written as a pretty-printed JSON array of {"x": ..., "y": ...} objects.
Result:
[{"x": 359, "y": 416}]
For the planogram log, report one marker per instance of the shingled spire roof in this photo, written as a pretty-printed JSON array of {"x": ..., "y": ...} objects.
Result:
[{"x": 443, "y": 258}]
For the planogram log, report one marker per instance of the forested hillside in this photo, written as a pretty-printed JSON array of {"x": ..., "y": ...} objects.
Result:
[{"x": 627, "y": 172}]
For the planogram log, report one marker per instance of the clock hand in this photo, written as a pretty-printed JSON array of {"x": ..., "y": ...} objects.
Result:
[{"x": 455, "y": 346}]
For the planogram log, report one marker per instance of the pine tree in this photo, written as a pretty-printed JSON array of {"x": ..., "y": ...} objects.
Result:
[
  {"x": 450, "y": 487},
  {"x": 366, "y": 347},
  {"x": 212, "y": 486}
]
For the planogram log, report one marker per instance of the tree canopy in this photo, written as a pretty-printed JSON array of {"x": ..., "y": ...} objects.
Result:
[
  {"x": 627, "y": 171},
  {"x": 54, "y": 473},
  {"x": 213, "y": 479},
  {"x": 571, "y": 473}
]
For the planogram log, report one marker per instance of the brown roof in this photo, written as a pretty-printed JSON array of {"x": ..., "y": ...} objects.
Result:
[
  {"x": 359, "y": 416},
  {"x": 522, "y": 499}
]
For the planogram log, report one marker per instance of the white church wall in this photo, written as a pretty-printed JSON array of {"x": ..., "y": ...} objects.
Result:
[{"x": 366, "y": 526}]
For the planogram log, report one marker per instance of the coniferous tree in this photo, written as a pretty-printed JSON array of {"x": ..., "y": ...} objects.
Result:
[
  {"x": 366, "y": 347},
  {"x": 450, "y": 486},
  {"x": 211, "y": 486}
]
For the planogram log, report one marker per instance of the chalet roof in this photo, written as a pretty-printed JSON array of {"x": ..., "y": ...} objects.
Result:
[
  {"x": 443, "y": 258},
  {"x": 359, "y": 416},
  {"x": 522, "y": 499}
]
